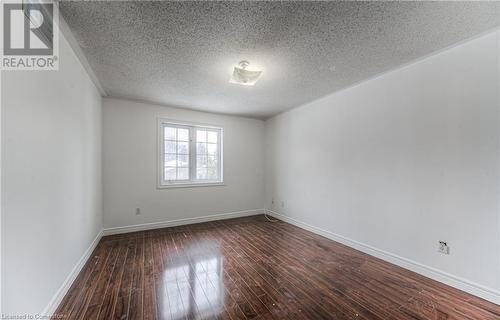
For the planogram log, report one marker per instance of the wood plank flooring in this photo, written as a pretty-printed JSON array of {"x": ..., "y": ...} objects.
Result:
[{"x": 249, "y": 268}]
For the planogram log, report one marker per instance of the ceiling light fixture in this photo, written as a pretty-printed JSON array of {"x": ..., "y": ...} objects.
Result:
[{"x": 243, "y": 75}]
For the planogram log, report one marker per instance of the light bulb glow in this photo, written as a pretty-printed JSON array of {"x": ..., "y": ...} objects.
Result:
[{"x": 244, "y": 75}]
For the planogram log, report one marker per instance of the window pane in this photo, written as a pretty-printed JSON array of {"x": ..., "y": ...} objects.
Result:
[
  {"x": 201, "y": 161},
  {"x": 169, "y": 174},
  {"x": 182, "y": 173},
  {"x": 212, "y": 149},
  {"x": 201, "y": 136},
  {"x": 212, "y": 174},
  {"x": 170, "y": 147},
  {"x": 201, "y": 173},
  {"x": 183, "y": 147},
  {"x": 212, "y": 136},
  {"x": 183, "y": 160},
  {"x": 211, "y": 161},
  {"x": 201, "y": 149},
  {"x": 169, "y": 133},
  {"x": 182, "y": 134},
  {"x": 170, "y": 160}
]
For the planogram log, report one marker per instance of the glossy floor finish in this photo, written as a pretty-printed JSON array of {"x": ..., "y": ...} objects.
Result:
[{"x": 249, "y": 268}]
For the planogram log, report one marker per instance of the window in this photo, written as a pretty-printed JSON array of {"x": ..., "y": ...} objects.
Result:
[{"x": 189, "y": 154}]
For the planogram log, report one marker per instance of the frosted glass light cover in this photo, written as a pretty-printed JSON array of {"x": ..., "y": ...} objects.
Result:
[{"x": 244, "y": 76}]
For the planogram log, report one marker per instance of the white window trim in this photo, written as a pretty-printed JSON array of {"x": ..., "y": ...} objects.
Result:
[{"x": 161, "y": 183}]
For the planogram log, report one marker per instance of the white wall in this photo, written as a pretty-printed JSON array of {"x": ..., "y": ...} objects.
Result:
[
  {"x": 51, "y": 179},
  {"x": 402, "y": 161},
  {"x": 130, "y": 166}
]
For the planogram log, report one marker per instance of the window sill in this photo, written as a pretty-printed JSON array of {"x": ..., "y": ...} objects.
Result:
[{"x": 190, "y": 185}]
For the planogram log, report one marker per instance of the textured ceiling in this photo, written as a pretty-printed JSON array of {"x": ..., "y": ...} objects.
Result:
[{"x": 182, "y": 53}]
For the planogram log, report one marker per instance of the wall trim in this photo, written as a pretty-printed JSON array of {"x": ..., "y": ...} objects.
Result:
[
  {"x": 178, "y": 222},
  {"x": 395, "y": 69},
  {"x": 61, "y": 292},
  {"x": 77, "y": 50},
  {"x": 473, "y": 288}
]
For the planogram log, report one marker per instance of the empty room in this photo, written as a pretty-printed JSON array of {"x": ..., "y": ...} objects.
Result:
[{"x": 250, "y": 160}]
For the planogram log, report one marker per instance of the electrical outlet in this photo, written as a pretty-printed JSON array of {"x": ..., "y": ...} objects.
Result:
[
  {"x": 282, "y": 204},
  {"x": 443, "y": 247},
  {"x": 137, "y": 211},
  {"x": 272, "y": 201}
]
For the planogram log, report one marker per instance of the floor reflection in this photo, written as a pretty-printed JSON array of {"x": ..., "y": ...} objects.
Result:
[{"x": 193, "y": 285}]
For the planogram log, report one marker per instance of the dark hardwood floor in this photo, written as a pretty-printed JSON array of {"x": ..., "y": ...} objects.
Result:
[{"x": 250, "y": 268}]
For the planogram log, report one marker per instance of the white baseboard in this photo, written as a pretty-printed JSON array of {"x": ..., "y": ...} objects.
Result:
[
  {"x": 438, "y": 275},
  {"x": 57, "y": 298},
  {"x": 178, "y": 222},
  {"x": 478, "y": 290}
]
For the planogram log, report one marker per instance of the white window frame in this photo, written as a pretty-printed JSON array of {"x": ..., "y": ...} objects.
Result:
[{"x": 192, "y": 126}]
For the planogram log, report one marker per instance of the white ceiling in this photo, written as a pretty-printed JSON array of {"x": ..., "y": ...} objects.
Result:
[{"x": 182, "y": 53}]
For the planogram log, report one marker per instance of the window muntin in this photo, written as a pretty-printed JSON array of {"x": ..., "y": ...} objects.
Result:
[{"x": 190, "y": 154}]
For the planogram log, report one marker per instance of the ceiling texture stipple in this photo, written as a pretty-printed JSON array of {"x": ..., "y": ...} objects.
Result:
[{"x": 182, "y": 54}]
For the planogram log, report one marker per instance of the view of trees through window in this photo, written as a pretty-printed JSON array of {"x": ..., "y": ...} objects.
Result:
[
  {"x": 191, "y": 153},
  {"x": 206, "y": 154}
]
